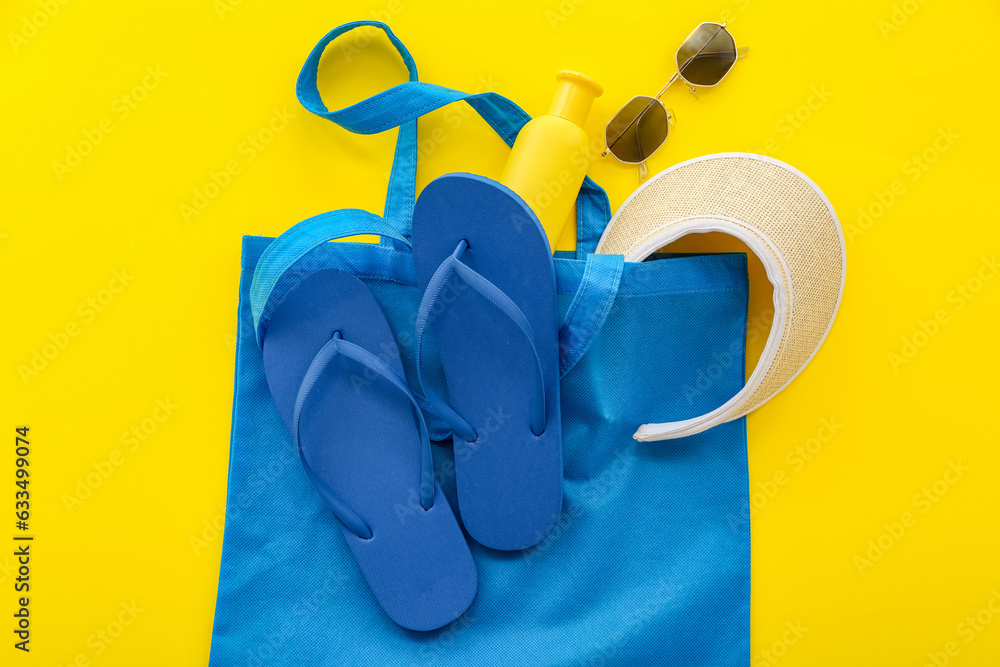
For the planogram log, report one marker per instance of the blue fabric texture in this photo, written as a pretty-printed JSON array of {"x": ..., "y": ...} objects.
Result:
[{"x": 649, "y": 563}]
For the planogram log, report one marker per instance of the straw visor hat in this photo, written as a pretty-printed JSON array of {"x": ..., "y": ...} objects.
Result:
[{"x": 784, "y": 218}]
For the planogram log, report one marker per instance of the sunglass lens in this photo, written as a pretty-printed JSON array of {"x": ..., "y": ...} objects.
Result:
[
  {"x": 707, "y": 55},
  {"x": 637, "y": 130}
]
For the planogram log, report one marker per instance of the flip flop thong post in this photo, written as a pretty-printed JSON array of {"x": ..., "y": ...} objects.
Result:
[
  {"x": 334, "y": 371},
  {"x": 486, "y": 269}
]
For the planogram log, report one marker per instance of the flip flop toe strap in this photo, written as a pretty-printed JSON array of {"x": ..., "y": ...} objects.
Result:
[
  {"x": 503, "y": 303},
  {"x": 337, "y": 345}
]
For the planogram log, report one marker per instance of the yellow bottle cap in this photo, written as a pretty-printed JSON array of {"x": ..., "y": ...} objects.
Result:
[{"x": 574, "y": 96}]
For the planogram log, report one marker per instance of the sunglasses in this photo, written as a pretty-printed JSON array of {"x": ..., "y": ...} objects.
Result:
[{"x": 641, "y": 126}]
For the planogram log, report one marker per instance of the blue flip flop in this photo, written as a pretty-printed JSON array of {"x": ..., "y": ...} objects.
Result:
[
  {"x": 486, "y": 269},
  {"x": 334, "y": 371}
]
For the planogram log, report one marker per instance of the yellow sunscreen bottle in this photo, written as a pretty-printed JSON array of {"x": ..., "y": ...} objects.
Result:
[{"x": 550, "y": 158}]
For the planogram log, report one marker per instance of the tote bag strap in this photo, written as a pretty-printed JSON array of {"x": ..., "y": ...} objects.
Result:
[
  {"x": 291, "y": 248},
  {"x": 589, "y": 308},
  {"x": 400, "y": 106}
]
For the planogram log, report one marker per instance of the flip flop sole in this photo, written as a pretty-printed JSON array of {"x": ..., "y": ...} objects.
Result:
[
  {"x": 359, "y": 434},
  {"x": 509, "y": 480}
]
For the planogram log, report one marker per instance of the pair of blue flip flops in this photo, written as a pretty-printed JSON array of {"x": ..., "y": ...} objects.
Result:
[{"x": 334, "y": 369}]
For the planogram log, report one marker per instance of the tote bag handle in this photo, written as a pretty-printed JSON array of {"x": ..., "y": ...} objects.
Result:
[{"x": 401, "y": 105}]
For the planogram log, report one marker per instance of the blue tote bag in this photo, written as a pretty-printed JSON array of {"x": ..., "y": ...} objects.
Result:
[{"x": 647, "y": 565}]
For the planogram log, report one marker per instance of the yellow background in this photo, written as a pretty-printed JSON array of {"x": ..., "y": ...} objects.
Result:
[{"x": 892, "y": 73}]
